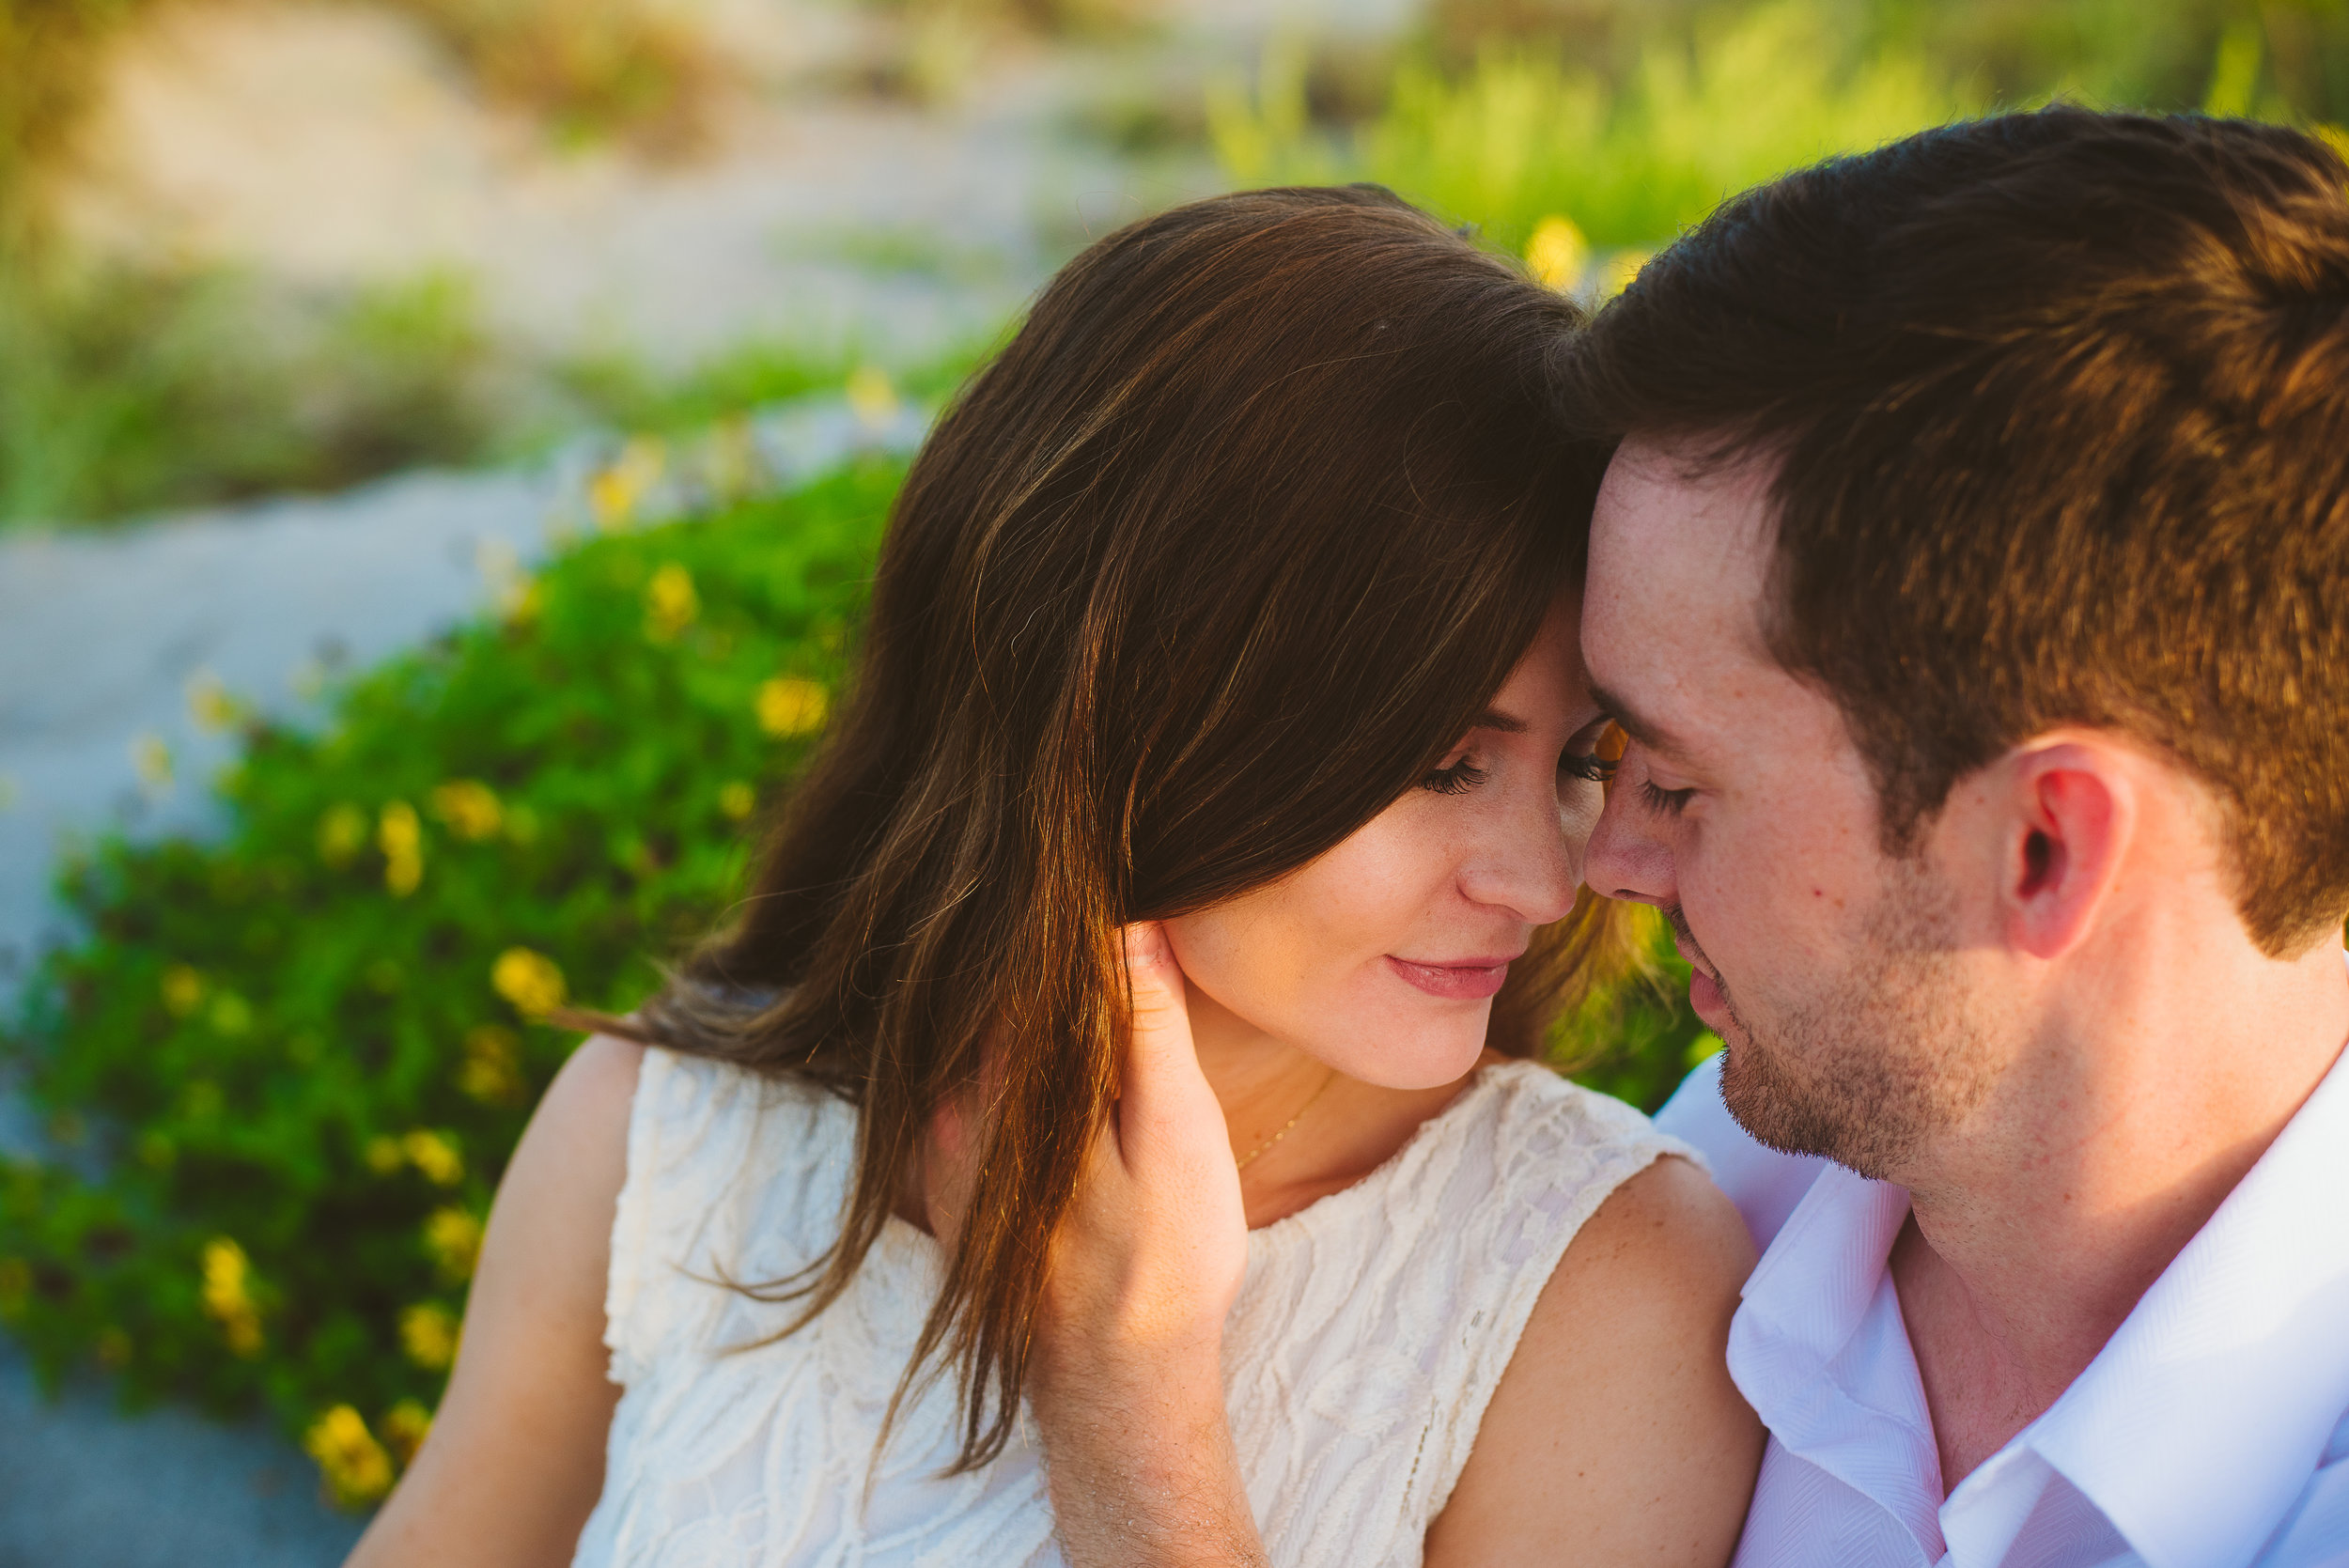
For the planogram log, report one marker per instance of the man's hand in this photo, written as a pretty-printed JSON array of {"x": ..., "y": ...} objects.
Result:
[{"x": 1127, "y": 1383}]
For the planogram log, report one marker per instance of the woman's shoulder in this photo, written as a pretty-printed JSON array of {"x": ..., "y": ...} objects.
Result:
[
  {"x": 728, "y": 1168},
  {"x": 1619, "y": 1380},
  {"x": 1525, "y": 1131}
]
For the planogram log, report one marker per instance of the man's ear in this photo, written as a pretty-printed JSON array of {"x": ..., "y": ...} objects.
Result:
[{"x": 2073, "y": 812}]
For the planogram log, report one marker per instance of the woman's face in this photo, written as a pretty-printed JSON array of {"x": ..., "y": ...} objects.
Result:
[{"x": 1381, "y": 956}]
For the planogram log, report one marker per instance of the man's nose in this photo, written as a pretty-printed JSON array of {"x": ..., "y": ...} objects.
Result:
[{"x": 1628, "y": 859}]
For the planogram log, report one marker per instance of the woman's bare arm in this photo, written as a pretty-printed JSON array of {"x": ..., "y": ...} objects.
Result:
[
  {"x": 1616, "y": 1427},
  {"x": 515, "y": 1460}
]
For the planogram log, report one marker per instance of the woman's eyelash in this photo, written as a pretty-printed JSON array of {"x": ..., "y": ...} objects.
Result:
[
  {"x": 1591, "y": 767},
  {"x": 1458, "y": 779},
  {"x": 1671, "y": 803}
]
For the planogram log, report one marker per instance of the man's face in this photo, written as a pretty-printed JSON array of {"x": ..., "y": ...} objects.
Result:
[{"x": 1744, "y": 812}]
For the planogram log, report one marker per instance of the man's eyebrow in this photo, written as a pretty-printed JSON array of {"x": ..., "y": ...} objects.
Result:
[
  {"x": 1654, "y": 737},
  {"x": 1493, "y": 719}
]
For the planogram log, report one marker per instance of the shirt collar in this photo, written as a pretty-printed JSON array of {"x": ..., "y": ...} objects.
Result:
[
  {"x": 2202, "y": 1417},
  {"x": 1818, "y": 1349},
  {"x": 2192, "y": 1431}
]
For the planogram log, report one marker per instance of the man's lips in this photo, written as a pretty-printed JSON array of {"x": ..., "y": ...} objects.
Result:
[
  {"x": 1704, "y": 997},
  {"x": 1456, "y": 979},
  {"x": 1704, "y": 987}
]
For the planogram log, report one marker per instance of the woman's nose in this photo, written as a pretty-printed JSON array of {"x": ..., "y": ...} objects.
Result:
[{"x": 1524, "y": 863}]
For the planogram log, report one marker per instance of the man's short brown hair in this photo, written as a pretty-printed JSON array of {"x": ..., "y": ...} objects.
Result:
[{"x": 2060, "y": 402}]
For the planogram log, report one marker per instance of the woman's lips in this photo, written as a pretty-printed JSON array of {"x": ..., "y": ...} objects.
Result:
[{"x": 1463, "y": 982}]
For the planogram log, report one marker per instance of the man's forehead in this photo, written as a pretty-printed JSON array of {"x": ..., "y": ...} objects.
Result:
[
  {"x": 1679, "y": 559},
  {"x": 1667, "y": 521}
]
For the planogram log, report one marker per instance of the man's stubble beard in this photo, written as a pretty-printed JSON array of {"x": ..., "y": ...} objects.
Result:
[{"x": 1877, "y": 1060}]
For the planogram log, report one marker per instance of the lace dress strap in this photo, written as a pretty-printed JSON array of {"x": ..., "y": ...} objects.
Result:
[
  {"x": 731, "y": 1176},
  {"x": 1376, "y": 1325}
]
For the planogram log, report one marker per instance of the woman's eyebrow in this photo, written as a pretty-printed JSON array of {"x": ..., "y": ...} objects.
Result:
[{"x": 1493, "y": 719}]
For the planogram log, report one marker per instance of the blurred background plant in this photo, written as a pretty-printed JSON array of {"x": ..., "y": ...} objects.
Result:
[
  {"x": 285, "y": 1070},
  {"x": 133, "y": 384},
  {"x": 280, "y": 1073},
  {"x": 129, "y": 386},
  {"x": 1620, "y": 125},
  {"x": 589, "y": 68}
]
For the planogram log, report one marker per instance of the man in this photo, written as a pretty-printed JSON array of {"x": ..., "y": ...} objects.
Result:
[{"x": 1972, "y": 582}]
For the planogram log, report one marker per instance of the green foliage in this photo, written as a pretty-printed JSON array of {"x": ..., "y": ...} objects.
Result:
[
  {"x": 296, "y": 1059},
  {"x": 127, "y": 391},
  {"x": 1633, "y": 122},
  {"x": 1523, "y": 135},
  {"x": 1638, "y": 1041},
  {"x": 124, "y": 391},
  {"x": 620, "y": 391},
  {"x": 2281, "y": 59},
  {"x": 288, "y": 1067}
]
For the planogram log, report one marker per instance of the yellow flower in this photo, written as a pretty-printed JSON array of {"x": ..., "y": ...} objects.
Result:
[
  {"x": 209, "y": 704},
  {"x": 228, "y": 1295},
  {"x": 453, "y": 1237},
  {"x": 670, "y": 602},
  {"x": 1557, "y": 254},
  {"x": 470, "y": 807},
  {"x": 491, "y": 1071},
  {"x": 528, "y": 979},
  {"x": 357, "y": 1469},
  {"x": 735, "y": 799},
  {"x": 872, "y": 398},
  {"x": 152, "y": 758},
  {"x": 405, "y": 1427},
  {"x": 184, "y": 990},
  {"x": 400, "y": 836},
  {"x": 791, "y": 705},
  {"x": 521, "y": 601},
  {"x": 433, "y": 1154},
  {"x": 342, "y": 832},
  {"x": 615, "y": 492},
  {"x": 1621, "y": 268},
  {"x": 428, "y": 1332},
  {"x": 383, "y": 1155}
]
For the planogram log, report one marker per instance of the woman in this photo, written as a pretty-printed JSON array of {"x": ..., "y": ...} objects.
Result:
[{"x": 1235, "y": 596}]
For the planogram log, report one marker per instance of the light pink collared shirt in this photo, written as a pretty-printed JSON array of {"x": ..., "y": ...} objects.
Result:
[{"x": 2211, "y": 1432}]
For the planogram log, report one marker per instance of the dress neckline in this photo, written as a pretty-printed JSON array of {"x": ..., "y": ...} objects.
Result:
[{"x": 1330, "y": 1208}]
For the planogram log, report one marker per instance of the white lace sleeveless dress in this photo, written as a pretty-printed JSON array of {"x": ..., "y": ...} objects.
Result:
[{"x": 1370, "y": 1334}]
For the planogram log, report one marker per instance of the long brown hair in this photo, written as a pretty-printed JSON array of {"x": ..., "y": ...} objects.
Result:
[{"x": 1217, "y": 559}]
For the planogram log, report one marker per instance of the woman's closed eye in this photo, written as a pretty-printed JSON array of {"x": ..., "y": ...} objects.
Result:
[{"x": 1457, "y": 778}]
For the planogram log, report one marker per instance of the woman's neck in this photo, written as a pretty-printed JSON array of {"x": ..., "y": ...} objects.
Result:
[{"x": 1303, "y": 1133}]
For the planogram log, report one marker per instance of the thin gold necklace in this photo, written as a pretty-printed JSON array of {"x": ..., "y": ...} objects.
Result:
[{"x": 1242, "y": 1164}]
